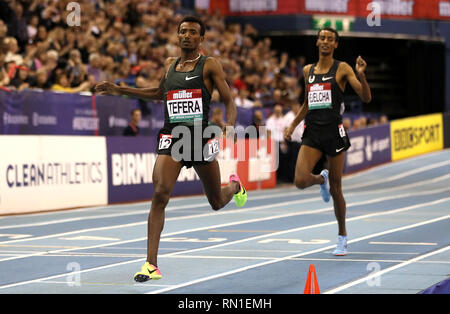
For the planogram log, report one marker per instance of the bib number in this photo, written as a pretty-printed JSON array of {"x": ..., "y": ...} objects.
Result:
[
  {"x": 165, "y": 141},
  {"x": 213, "y": 149},
  {"x": 342, "y": 130}
]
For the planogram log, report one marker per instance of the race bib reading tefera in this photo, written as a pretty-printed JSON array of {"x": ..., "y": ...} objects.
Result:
[{"x": 184, "y": 105}]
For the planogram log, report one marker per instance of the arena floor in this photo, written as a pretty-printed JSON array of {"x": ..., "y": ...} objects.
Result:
[{"x": 398, "y": 219}]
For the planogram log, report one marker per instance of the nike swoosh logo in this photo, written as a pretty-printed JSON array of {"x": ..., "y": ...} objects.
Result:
[
  {"x": 151, "y": 271},
  {"x": 190, "y": 78},
  {"x": 326, "y": 78},
  {"x": 338, "y": 150},
  {"x": 210, "y": 157}
]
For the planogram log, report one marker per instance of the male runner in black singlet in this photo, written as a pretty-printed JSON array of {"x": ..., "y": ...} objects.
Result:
[
  {"x": 324, "y": 133},
  {"x": 186, "y": 90}
]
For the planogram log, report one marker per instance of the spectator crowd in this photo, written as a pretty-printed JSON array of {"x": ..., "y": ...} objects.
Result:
[{"x": 126, "y": 42}]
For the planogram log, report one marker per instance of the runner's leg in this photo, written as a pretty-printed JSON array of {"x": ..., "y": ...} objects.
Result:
[
  {"x": 217, "y": 195},
  {"x": 165, "y": 174},
  {"x": 335, "y": 176},
  {"x": 306, "y": 160}
]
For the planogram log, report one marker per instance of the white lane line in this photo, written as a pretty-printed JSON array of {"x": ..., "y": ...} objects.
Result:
[
  {"x": 70, "y": 273},
  {"x": 241, "y": 269},
  {"x": 274, "y": 258},
  {"x": 366, "y": 260},
  {"x": 83, "y": 283},
  {"x": 403, "y": 243},
  {"x": 238, "y": 241},
  {"x": 402, "y": 187},
  {"x": 296, "y": 251},
  {"x": 305, "y": 259},
  {"x": 394, "y": 164},
  {"x": 403, "y": 174},
  {"x": 377, "y": 253},
  {"x": 387, "y": 270}
]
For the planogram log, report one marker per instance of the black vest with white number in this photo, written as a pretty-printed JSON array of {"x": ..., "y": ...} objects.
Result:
[
  {"x": 186, "y": 98},
  {"x": 324, "y": 96}
]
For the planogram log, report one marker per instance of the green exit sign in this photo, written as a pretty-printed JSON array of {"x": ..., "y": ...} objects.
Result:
[{"x": 339, "y": 23}]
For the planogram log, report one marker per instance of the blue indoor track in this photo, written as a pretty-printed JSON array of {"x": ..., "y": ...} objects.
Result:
[{"x": 398, "y": 223}]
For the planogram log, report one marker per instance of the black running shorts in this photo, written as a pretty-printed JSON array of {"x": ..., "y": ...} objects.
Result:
[
  {"x": 188, "y": 148},
  {"x": 330, "y": 139}
]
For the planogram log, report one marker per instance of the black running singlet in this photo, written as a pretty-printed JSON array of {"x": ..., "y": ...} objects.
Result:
[
  {"x": 186, "y": 98},
  {"x": 324, "y": 97}
]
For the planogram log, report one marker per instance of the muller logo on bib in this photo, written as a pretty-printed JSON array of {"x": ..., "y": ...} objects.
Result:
[
  {"x": 316, "y": 87},
  {"x": 182, "y": 94}
]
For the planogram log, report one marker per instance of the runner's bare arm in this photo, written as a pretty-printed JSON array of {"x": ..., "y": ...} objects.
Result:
[
  {"x": 214, "y": 68},
  {"x": 303, "y": 109},
  {"x": 361, "y": 87},
  {"x": 155, "y": 93}
]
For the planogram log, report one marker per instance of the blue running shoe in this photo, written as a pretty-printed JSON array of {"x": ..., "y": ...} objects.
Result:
[
  {"x": 325, "y": 187},
  {"x": 341, "y": 248}
]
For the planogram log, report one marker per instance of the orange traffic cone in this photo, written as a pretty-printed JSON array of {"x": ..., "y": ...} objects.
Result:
[{"x": 315, "y": 285}]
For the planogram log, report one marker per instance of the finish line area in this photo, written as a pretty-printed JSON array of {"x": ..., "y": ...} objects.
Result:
[{"x": 398, "y": 217}]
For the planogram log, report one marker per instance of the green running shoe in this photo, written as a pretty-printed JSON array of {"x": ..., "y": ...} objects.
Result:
[{"x": 240, "y": 198}]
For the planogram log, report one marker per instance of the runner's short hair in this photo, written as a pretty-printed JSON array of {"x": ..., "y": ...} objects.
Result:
[
  {"x": 336, "y": 34},
  {"x": 193, "y": 19}
]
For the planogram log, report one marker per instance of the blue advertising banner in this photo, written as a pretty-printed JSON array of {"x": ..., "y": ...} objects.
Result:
[
  {"x": 29, "y": 113},
  {"x": 114, "y": 115},
  {"x": 130, "y": 167},
  {"x": 55, "y": 113},
  {"x": 370, "y": 146},
  {"x": 35, "y": 112},
  {"x": 3, "y": 104}
]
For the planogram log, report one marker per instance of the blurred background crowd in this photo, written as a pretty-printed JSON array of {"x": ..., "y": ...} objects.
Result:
[{"x": 127, "y": 41}]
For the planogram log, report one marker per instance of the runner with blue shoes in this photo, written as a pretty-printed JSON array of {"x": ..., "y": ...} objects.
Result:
[{"x": 324, "y": 132}]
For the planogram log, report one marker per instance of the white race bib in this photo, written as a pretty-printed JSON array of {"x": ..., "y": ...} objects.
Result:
[
  {"x": 184, "y": 105},
  {"x": 213, "y": 149},
  {"x": 319, "y": 96},
  {"x": 165, "y": 140},
  {"x": 342, "y": 130}
]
